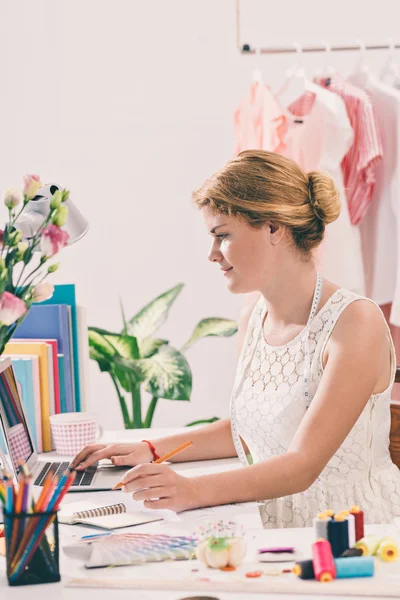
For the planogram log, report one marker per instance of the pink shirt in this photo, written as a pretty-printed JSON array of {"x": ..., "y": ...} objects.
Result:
[
  {"x": 359, "y": 164},
  {"x": 259, "y": 122}
]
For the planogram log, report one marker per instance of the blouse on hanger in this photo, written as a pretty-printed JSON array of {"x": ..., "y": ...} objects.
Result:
[
  {"x": 359, "y": 164},
  {"x": 317, "y": 140},
  {"x": 380, "y": 228},
  {"x": 259, "y": 122}
]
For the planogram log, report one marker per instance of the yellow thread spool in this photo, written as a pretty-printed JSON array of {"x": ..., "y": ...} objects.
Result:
[
  {"x": 388, "y": 550},
  {"x": 369, "y": 545}
]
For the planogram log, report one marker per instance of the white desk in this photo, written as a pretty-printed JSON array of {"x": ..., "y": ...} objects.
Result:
[{"x": 257, "y": 537}]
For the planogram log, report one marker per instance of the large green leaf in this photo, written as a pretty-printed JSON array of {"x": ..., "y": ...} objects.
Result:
[
  {"x": 150, "y": 346},
  {"x": 211, "y": 327},
  {"x": 152, "y": 316},
  {"x": 100, "y": 346},
  {"x": 124, "y": 345},
  {"x": 167, "y": 373}
]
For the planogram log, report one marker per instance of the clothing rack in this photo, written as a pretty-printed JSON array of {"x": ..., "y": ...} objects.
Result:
[{"x": 296, "y": 48}]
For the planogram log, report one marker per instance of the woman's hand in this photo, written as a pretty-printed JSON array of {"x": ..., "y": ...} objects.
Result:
[
  {"x": 120, "y": 455},
  {"x": 160, "y": 487}
]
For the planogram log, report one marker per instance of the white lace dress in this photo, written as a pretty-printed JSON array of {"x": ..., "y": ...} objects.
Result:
[{"x": 268, "y": 404}]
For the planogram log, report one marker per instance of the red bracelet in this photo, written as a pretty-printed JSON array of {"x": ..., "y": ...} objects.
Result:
[{"x": 155, "y": 455}]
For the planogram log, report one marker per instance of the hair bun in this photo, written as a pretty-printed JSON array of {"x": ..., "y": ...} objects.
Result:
[{"x": 324, "y": 197}]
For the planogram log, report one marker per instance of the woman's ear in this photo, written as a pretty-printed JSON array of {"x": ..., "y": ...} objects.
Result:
[{"x": 277, "y": 232}]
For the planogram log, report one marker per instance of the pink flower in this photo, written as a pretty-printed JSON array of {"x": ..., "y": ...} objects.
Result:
[
  {"x": 31, "y": 186},
  {"x": 43, "y": 291},
  {"x": 52, "y": 240},
  {"x": 1, "y": 238},
  {"x": 11, "y": 308}
]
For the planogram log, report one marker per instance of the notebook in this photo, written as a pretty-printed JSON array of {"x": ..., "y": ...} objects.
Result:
[{"x": 112, "y": 516}]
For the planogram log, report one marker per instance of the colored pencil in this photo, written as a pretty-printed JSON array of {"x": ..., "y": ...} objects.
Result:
[
  {"x": 35, "y": 540},
  {"x": 160, "y": 460}
]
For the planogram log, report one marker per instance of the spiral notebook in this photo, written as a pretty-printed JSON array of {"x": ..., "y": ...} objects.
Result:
[{"x": 112, "y": 516}]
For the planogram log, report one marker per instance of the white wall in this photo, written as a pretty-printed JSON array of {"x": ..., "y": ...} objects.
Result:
[{"x": 129, "y": 104}]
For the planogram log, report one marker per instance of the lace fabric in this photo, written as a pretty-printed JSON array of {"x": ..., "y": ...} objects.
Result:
[{"x": 268, "y": 404}]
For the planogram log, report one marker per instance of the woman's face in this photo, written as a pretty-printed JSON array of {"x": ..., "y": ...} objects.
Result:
[{"x": 244, "y": 254}]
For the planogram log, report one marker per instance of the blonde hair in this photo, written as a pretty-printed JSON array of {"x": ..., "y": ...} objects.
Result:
[{"x": 259, "y": 186}]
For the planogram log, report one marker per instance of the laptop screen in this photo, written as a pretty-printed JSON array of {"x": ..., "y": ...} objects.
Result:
[{"x": 12, "y": 417}]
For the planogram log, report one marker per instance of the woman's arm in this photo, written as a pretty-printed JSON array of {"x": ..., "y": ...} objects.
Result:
[{"x": 357, "y": 355}]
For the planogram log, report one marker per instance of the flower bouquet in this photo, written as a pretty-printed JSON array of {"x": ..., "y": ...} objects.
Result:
[{"x": 24, "y": 262}]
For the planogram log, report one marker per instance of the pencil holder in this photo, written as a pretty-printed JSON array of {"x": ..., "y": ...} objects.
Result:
[{"x": 32, "y": 549}]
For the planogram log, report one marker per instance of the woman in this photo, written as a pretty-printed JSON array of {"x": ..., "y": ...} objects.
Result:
[{"x": 310, "y": 403}]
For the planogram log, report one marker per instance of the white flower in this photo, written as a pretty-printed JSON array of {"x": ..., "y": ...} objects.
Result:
[
  {"x": 43, "y": 291},
  {"x": 12, "y": 197}
]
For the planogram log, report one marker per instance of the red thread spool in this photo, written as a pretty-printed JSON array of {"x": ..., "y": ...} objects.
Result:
[
  {"x": 324, "y": 566},
  {"x": 358, "y": 521}
]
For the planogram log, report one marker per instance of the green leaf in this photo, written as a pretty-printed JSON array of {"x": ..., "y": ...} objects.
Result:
[
  {"x": 123, "y": 377},
  {"x": 150, "y": 346},
  {"x": 124, "y": 345},
  {"x": 104, "y": 364},
  {"x": 125, "y": 330},
  {"x": 152, "y": 316},
  {"x": 211, "y": 327},
  {"x": 203, "y": 421},
  {"x": 100, "y": 346},
  {"x": 167, "y": 373}
]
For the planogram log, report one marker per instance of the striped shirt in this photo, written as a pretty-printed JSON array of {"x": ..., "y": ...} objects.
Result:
[{"x": 358, "y": 166}]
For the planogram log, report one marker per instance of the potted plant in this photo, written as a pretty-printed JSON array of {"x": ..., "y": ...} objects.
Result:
[{"x": 137, "y": 360}]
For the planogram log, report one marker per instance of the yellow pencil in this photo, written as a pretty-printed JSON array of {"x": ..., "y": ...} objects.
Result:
[{"x": 162, "y": 459}]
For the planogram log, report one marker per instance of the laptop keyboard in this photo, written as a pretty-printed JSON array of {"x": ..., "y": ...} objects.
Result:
[{"x": 82, "y": 477}]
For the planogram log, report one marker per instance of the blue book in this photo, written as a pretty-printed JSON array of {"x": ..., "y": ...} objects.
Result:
[
  {"x": 52, "y": 321},
  {"x": 24, "y": 376},
  {"x": 61, "y": 371},
  {"x": 65, "y": 294}
]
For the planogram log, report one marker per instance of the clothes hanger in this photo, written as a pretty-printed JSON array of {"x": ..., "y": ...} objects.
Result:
[
  {"x": 390, "y": 71},
  {"x": 327, "y": 70},
  {"x": 257, "y": 73},
  {"x": 295, "y": 83},
  {"x": 361, "y": 72}
]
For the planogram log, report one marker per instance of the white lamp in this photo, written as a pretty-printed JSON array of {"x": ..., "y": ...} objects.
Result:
[{"x": 38, "y": 208}]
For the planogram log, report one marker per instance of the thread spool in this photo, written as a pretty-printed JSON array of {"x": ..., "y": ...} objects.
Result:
[
  {"x": 352, "y": 526},
  {"x": 388, "y": 550},
  {"x": 369, "y": 545},
  {"x": 351, "y": 552},
  {"x": 324, "y": 567},
  {"x": 321, "y": 526},
  {"x": 359, "y": 521},
  {"x": 338, "y": 535},
  {"x": 355, "y": 566},
  {"x": 304, "y": 569}
]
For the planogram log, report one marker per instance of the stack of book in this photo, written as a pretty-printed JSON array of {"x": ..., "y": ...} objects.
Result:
[{"x": 50, "y": 356}]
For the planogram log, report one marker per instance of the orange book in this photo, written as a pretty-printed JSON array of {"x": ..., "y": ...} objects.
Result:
[{"x": 38, "y": 349}]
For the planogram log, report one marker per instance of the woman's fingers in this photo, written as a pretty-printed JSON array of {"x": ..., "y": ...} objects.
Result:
[
  {"x": 146, "y": 481},
  {"x": 84, "y": 453},
  {"x": 154, "y": 492},
  {"x": 103, "y": 452},
  {"x": 158, "y": 504},
  {"x": 143, "y": 470}
]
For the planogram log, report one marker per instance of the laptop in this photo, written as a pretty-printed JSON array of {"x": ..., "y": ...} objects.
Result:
[{"x": 20, "y": 444}]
